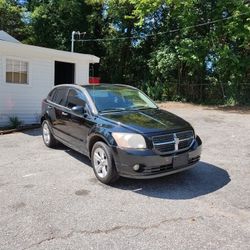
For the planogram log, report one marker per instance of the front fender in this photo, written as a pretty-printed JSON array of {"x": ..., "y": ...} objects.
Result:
[{"x": 99, "y": 132}]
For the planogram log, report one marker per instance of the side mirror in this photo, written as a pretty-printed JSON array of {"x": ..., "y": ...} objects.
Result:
[{"x": 80, "y": 110}]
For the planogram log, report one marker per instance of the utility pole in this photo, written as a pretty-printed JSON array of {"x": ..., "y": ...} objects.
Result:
[{"x": 73, "y": 40}]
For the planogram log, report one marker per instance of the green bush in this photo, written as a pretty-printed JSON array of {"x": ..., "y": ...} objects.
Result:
[{"x": 14, "y": 122}]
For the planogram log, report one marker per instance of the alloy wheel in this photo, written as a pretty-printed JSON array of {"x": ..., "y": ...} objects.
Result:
[
  {"x": 46, "y": 133},
  {"x": 100, "y": 162}
]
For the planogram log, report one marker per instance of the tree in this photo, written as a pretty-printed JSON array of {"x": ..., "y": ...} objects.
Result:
[
  {"x": 215, "y": 53},
  {"x": 53, "y": 21},
  {"x": 12, "y": 19},
  {"x": 181, "y": 50}
]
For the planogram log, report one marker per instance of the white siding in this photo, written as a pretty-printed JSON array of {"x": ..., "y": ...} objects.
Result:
[
  {"x": 24, "y": 101},
  {"x": 82, "y": 73}
]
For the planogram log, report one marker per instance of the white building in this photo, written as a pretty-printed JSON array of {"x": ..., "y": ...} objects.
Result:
[{"x": 27, "y": 73}]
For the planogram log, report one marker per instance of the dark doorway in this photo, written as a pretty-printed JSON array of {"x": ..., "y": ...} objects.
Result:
[{"x": 64, "y": 73}]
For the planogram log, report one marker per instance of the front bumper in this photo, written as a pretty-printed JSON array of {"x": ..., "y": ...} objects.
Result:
[{"x": 152, "y": 164}]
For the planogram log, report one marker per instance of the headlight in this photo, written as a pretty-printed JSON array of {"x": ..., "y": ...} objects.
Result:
[{"x": 129, "y": 140}]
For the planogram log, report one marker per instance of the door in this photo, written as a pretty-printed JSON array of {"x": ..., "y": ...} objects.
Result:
[
  {"x": 56, "y": 109},
  {"x": 77, "y": 124},
  {"x": 64, "y": 73}
]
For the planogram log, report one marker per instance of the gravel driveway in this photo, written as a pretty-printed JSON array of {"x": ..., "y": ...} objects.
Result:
[{"x": 50, "y": 199}]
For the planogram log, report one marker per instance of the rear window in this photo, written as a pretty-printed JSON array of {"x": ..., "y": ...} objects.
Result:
[{"x": 59, "y": 96}]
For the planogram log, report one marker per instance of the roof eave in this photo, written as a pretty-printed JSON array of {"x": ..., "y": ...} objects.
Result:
[{"x": 53, "y": 52}]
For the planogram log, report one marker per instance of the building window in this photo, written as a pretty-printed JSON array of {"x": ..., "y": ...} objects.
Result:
[{"x": 16, "y": 71}]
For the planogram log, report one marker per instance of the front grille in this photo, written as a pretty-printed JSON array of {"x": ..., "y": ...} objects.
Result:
[
  {"x": 174, "y": 142},
  {"x": 185, "y": 144},
  {"x": 165, "y": 147},
  {"x": 167, "y": 168},
  {"x": 163, "y": 138}
]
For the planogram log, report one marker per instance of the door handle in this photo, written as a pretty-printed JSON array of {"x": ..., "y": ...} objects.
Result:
[
  {"x": 65, "y": 114},
  {"x": 49, "y": 107}
]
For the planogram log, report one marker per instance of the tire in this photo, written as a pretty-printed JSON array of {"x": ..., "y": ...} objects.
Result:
[
  {"x": 48, "y": 138},
  {"x": 103, "y": 163}
]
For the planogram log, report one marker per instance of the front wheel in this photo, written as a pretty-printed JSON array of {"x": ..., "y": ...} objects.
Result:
[
  {"x": 103, "y": 163},
  {"x": 48, "y": 138}
]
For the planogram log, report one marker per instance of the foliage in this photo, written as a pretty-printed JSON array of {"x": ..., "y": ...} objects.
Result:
[
  {"x": 12, "y": 19},
  {"x": 215, "y": 56},
  {"x": 53, "y": 21},
  {"x": 189, "y": 50},
  {"x": 15, "y": 122}
]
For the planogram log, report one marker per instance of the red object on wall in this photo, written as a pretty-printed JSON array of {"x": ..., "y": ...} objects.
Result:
[{"x": 94, "y": 80}]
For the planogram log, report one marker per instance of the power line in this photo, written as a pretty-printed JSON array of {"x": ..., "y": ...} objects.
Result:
[{"x": 159, "y": 33}]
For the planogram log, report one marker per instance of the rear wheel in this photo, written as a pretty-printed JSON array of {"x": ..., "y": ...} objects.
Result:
[
  {"x": 103, "y": 163},
  {"x": 48, "y": 138}
]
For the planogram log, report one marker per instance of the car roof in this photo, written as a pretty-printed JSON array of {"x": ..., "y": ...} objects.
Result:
[{"x": 102, "y": 86}]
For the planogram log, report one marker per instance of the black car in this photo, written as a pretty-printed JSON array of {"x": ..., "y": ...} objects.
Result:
[{"x": 122, "y": 131}]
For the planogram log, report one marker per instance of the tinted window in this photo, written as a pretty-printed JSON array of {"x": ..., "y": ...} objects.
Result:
[
  {"x": 75, "y": 98},
  {"x": 59, "y": 96},
  {"x": 50, "y": 95}
]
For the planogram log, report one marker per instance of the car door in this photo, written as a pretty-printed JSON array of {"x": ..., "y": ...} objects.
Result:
[
  {"x": 77, "y": 124},
  {"x": 56, "y": 109}
]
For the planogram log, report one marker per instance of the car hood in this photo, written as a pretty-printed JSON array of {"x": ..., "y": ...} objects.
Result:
[{"x": 148, "y": 120}]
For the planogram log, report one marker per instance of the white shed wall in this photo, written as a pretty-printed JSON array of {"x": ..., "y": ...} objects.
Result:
[
  {"x": 82, "y": 73},
  {"x": 24, "y": 101}
]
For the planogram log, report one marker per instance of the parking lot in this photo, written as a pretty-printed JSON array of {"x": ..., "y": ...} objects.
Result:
[{"x": 50, "y": 199}]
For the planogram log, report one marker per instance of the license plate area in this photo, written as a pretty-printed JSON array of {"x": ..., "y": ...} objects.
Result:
[{"x": 180, "y": 160}]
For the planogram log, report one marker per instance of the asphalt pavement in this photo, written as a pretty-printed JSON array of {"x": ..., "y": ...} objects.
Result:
[{"x": 50, "y": 198}]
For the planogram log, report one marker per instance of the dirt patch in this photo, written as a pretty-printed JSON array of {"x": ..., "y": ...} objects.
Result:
[
  {"x": 232, "y": 109},
  {"x": 183, "y": 105},
  {"x": 29, "y": 186},
  {"x": 212, "y": 120},
  {"x": 18, "y": 205},
  {"x": 4, "y": 184},
  {"x": 82, "y": 192},
  {"x": 93, "y": 180},
  {"x": 179, "y": 105}
]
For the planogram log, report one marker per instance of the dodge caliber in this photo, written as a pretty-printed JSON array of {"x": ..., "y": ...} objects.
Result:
[{"x": 120, "y": 129}]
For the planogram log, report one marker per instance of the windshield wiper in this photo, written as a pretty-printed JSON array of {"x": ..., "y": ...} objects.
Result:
[
  {"x": 112, "y": 110},
  {"x": 140, "y": 108},
  {"x": 125, "y": 109}
]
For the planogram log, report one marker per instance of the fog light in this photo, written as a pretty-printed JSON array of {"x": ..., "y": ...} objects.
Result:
[{"x": 136, "y": 167}]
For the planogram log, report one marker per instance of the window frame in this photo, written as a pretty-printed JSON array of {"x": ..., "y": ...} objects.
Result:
[
  {"x": 87, "y": 105},
  {"x": 90, "y": 106},
  {"x": 51, "y": 95},
  {"x": 63, "y": 105},
  {"x": 76, "y": 90},
  {"x": 25, "y": 60}
]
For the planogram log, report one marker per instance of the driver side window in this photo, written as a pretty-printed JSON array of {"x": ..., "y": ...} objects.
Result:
[{"x": 75, "y": 98}]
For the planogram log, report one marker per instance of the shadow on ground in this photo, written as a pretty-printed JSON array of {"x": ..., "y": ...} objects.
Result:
[
  {"x": 33, "y": 132},
  {"x": 201, "y": 180},
  {"x": 205, "y": 178},
  {"x": 80, "y": 157}
]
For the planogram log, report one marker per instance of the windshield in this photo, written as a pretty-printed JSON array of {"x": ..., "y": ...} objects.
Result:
[{"x": 116, "y": 98}]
